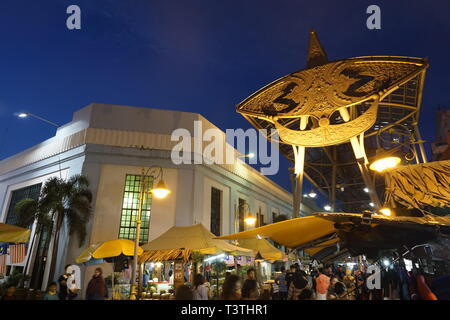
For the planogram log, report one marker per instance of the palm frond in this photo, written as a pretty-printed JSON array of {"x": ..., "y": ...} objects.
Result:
[{"x": 26, "y": 212}]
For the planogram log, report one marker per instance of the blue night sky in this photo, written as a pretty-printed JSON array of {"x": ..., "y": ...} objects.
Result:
[{"x": 193, "y": 55}]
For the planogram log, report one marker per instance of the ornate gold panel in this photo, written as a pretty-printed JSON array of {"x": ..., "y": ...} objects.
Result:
[{"x": 320, "y": 91}]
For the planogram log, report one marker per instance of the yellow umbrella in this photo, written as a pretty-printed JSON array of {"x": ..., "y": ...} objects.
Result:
[
  {"x": 15, "y": 234},
  {"x": 108, "y": 249}
]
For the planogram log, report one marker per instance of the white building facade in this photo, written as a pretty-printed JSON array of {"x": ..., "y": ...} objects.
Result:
[{"x": 110, "y": 144}]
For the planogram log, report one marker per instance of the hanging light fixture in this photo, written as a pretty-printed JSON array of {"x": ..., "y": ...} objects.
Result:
[
  {"x": 312, "y": 194},
  {"x": 250, "y": 221},
  {"x": 385, "y": 211},
  {"x": 385, "y": 160},
  {"x": 161, "y": 191}
]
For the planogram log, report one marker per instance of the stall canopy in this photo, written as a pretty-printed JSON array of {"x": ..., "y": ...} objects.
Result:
[
  {"x": 329, "y": 235},
  {"x": 15, "y": 234},
  {"x": 291, "y": 233},
  {"x": 180, "y": 242},
  {"x": 418, "y": 185},
  {"x": 108, "y": 249},
  {"x": 264, "y": 247},
  {"x": 322, "y": 246}
]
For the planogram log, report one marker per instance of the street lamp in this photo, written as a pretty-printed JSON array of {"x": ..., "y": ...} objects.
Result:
[
  {"x": 160, "y": 192},
  {"x": 385, "y": 163},
  {"x": 385, "y": 211},
  {"x": 24, "y": 115},
  {"x": 312, "y": 194},
  {"x": 249, "y": 155},
  {"x": 250, "y": 221}
]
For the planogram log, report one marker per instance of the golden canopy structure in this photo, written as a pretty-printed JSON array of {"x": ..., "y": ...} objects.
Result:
[
  {"x": 328, "y": 117},
  {"x": 180, "y": 242},
  {"x": 14, "y": 234},
  {"x": 418, "y": 185}
]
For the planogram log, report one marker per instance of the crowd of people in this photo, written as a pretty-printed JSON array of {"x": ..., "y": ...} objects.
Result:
[
  {"x": 325, "y": 283},
  {"x": 292, "y": 284},
  {"x": 96, "y": 289}
]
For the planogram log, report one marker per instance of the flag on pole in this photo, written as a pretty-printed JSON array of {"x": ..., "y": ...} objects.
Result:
[
  {"x": 17, "y": 253},
  {"x": 3, "y": 253}
]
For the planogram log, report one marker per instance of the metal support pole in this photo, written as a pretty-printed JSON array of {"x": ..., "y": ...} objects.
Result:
[
  {"x": 333, "y": 179},
  {"x": 299, "y": 154},
  {"x": 420, "y": 142},
  {"x": 369, "y": 183}
]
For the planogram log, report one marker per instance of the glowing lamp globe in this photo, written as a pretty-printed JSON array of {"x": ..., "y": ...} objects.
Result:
[
  {"x": 385, "y": 163},
  {"x": 385, "y": 211},
  {"x": 161, "y": 191},
  {"x": 250, "y": 221}
]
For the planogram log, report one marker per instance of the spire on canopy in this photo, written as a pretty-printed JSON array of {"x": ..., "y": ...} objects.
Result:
[{"x": 316, "y": 53}]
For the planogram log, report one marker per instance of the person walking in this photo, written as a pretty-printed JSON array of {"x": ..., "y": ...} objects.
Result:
[
  {"x": 340, "y": 291},
  {"x": 231, "y": 288},
  {"x": 322, "y": 285},
  {"x": 183, "y": 292},
  {"x": 200, "y": 291},
  {"x": 298, "y": 284},
  {"x": 251, "y": 275},
  {"x": 63, "y": 288},
  {"x": 250, "y": 290},
  {"x": 290, "y": 276},
  {"x": 282, "y": 285},
  {"x": 96, "y": 289}
]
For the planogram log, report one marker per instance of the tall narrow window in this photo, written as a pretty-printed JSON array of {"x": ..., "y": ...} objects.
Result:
[
  {"x": 130, "y": 209},
  {"x": 31, "y": 192},
  {"x": 242, "y": 209},
  {"x": 216, "y": 206},
  {"x": 260, "y": 218}
]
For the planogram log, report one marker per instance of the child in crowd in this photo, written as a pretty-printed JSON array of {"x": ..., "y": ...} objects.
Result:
[
  {"x": 10, "y": 293},
  {"x": 51, "y": 294}
]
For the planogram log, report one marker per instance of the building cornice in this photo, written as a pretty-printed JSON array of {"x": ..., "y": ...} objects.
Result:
[{"x": 128, "y": 139}]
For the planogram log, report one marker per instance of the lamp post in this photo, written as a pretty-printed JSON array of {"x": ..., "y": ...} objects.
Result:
[
  {"x": 23, "y": 115},
  {"x": 249, "y": 219},
  {"x": 160, "y": 192},
  {"x": 250, "y": 155}
]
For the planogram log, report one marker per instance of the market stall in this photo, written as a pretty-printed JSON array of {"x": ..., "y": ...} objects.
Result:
[
  {"x": 112, "y": 251},
  {"x": 183, "y": 249},
  {"x": 267, "y": 252}
]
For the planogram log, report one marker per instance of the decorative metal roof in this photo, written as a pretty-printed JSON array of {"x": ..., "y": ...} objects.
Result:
[{"x": 325, "y": 105}]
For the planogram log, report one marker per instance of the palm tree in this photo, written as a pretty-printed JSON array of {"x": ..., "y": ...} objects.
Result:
[{"x": 59, "y": 201}]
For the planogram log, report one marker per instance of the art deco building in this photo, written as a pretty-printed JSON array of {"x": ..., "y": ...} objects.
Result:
[{"x": 110, "y": 144}]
